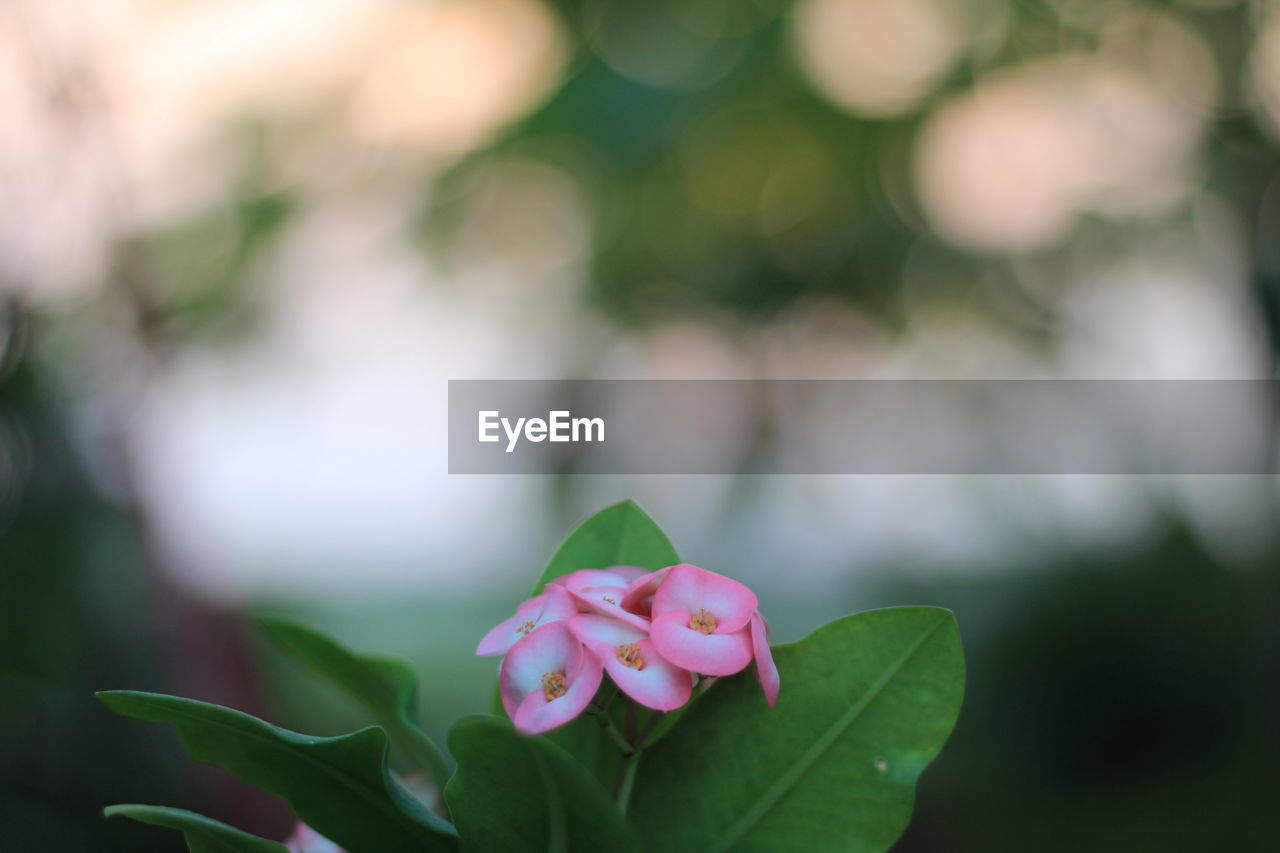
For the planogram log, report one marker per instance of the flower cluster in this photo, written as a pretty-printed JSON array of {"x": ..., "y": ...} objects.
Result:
[{"x": 655, "y": 633}]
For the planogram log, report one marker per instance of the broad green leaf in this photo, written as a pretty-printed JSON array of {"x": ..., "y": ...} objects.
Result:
[
  {"x": 338, "y": 785},
  {"x": 519, "y": 793},
  {"x": 618, "y": 535},
  {"x": 204, "y": 835},
  {"x": 384, "y": 685},
  {"x": 867, "y": 701}
]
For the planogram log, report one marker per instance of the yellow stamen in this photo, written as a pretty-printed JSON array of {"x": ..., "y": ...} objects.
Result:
[
  {"x": 553, "y": 686},
  {"x": 608, "y": 599},
  {"x": 629, "y": 655},
  {"x": 525, "y": 627},
  {"x": 703, "y": 621}
]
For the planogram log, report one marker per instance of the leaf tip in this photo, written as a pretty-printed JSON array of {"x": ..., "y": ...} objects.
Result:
[
  {"x": 280, "y": 632},
  {"x": 109, "y": 697},
  {"x": 623, "y": 506},
  {"x": 278, "y": 623}
]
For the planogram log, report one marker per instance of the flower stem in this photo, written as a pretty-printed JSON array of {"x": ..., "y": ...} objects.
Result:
[
  {"x": 628, "y": 746},
  {"x": 626, "y": 781},
  {"x": 642, "y": 739},
  {"x": 606, "y": 723},
  {"x": 609, "y": 693}
]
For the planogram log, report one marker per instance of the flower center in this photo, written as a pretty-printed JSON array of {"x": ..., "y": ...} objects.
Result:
[
  {"x": 553, "y": 686},
  {"x": 608, "y": 599},
  {"x": 629, "y": 655},
  {"x": 525, "y": 627},
  {"x": 703, "y": 621}
]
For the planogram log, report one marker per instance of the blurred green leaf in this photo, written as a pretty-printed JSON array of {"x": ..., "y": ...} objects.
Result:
[
  {"x": 618, "y": 535},
  {"x": 386, "y": 686},
  {"x": 338, "y": 785},
  {"x": 867, "y": 702},
  {"x": 518, "y": 793},
  {"x": 204, "y": 835}
]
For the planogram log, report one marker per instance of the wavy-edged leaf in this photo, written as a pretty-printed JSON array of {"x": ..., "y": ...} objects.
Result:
[
  {"x": 338, "y": 785},
  {"x": 866, "y": 703},
  {"x": 618, "y": 535},
  {"x": 386, "y": 686},
  {"x": 204, "y": 835},
  {"x": 519, "y": 793}
]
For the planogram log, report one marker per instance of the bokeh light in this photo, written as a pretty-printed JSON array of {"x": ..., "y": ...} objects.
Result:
[
  {"x": 1014, "y": 163},
  {"x": 245, "y": 245},
  {"x": 878, "y": 59}
]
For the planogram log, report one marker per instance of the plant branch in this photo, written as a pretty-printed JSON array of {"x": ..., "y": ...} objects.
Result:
[
  {"x": 642, "y": 739},
  {"x": 606, "y": 723},
  {"x": 628, "y": 746},
  {"x": 610, "y": 693},
  {"x": 626, "y": 781}
]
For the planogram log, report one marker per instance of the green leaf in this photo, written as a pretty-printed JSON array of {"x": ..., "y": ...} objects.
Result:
[
  {"x": 384, "y": 685},
  {"x": 618, "y": 535},
  {"x": 518, "y": 793},
  {"x": 867, "y": 701},
  {"x": 338, "y": 785},
  {"x": 204, "y": 835}
]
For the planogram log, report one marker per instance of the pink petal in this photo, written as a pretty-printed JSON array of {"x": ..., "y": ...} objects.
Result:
[
  {"x": 592, "y": 630},
  {"x": 559, "y": 604},
  {"x": 641, "y": 589},
  {"x": 606, "y": 601},
  {"x": 502, "y": 637},
  {"x": 766, "y": 669},
  {"x": 552, "y": 605},
  {"x": 585, "y": 578},
  {"x": 659, "y": 684},
  {"x": 641, "y": 607},
  {"x": 690, "y": 589},
  {"x": 627, "y": 573},
  {"x": 551, "y": 648},
  {"x": 709, "y": 654},
  {"x": 536, "y": 714},
  {"x": 304, "y": 839}
]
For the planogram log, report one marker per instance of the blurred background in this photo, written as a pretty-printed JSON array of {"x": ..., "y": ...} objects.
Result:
[{"x": 245, "y": 243}]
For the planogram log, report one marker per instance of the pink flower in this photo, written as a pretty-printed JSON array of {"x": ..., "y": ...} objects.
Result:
[
  {"x": 304, "y": 839},
  {"x": 547, "y": 679},
  {"x": 615, "y": 576},
  {"x": 607, "y": 601},
  {"x": 632, "y": 662},
  {"x": 700, "y": 621},
  {"x": 601, "y": 591},
  {"x": 552, "y": 605},
  {"x": 639, "y": 597}
]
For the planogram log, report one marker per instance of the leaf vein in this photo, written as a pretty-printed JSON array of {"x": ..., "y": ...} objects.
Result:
[{"x": 788, "y": 780}]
